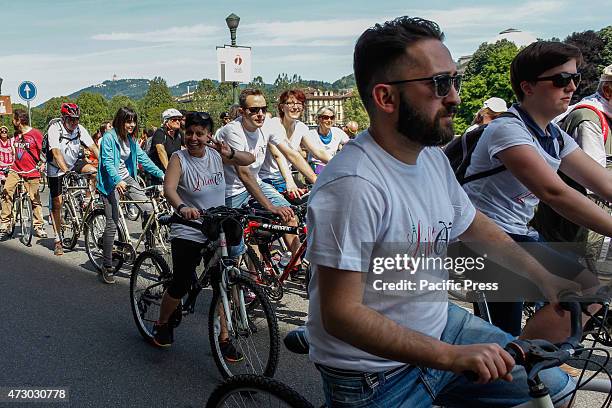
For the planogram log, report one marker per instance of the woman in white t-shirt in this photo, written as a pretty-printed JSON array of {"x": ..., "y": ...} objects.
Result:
[
  {"x": 6, "y": 152},
  {"x": 194, "y": 180},
  {"x": 326, "y": 136},
  {"x": 275, "y": 169}
]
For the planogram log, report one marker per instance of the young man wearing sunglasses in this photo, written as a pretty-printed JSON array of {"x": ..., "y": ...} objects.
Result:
[
  {"x": 528, "y": 149},
  {"x": 252, "y": 133},
  {"x": 588, "y": 122},
  {"x": 391, "y": 191}
]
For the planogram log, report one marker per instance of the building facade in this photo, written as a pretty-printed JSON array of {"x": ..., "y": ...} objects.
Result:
[{"x": 316, "y": 99}]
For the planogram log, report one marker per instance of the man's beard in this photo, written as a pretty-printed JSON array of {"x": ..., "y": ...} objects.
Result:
[{"x": 415, "y": 126}]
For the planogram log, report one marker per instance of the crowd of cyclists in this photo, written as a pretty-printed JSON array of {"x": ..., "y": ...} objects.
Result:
[{"x": 392, "y": 183}]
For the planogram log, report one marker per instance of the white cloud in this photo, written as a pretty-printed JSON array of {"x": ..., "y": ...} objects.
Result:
[{"x": 196, "y": 32}]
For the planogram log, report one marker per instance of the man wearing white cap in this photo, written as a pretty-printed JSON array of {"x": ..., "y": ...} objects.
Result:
[
  {"x": 166, "y": 140},
  {"x": 491, "y": 109}
]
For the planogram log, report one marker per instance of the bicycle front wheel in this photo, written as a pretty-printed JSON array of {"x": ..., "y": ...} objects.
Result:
[
  {"x": 26, "y": 220},
  {"x": 254, "y": 390},
  {"x": 254, "y": 331},
  {"x": 94, "y": 234},
  {"x": 150, "y": 277}
]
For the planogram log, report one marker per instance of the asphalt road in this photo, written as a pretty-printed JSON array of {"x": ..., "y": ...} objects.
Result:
[{"x": 61, "y": 327}]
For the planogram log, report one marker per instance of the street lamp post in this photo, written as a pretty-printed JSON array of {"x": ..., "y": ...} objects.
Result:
[
  {"x": 232, "y": 22},
  {"x": 1, "y": 85}
]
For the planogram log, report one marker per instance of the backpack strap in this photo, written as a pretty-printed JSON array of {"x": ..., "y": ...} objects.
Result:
[{"x": 605, "y": 129}]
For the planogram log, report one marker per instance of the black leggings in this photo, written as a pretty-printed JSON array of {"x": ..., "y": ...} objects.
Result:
[{"x": 186, "y": 256}]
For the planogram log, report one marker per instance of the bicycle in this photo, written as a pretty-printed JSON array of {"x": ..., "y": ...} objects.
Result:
[
  {"x": 237, "y": 305},
  {"x": 75, "y": 207},
  {"x": 268, "y": 271},
  {"x": 22, "y": 213},
  {"x": 124, "y": 249},
  {"x": 533, "y": 355},
  {"x": 43, "y": 180}
]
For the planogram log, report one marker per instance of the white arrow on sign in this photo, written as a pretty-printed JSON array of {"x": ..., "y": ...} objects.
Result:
[{"x": 27, "y": 90}]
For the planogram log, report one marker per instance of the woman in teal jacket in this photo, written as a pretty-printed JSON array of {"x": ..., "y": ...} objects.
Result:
[{"x": 120, "y": 155}]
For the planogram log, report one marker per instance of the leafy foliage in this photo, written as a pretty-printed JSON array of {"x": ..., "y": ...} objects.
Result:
[
  {"x": 354, "y": 110},
  {"x": 591, "y": 45},
  {"x": 487, "y": 75}
]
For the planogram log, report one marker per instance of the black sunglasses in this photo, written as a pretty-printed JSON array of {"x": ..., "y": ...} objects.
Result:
[
  {"x": 254, "y": 110},
  {"x": 442, "y": 83},
  {"x": 563, "y": 79}
]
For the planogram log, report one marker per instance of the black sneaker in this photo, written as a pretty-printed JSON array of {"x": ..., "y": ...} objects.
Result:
[
  {"x": 107, "y": 275},
  {"x": 296, "y": 341},
  {"x": 229, "y": 352},
  {"x": 163, "y": 335}
]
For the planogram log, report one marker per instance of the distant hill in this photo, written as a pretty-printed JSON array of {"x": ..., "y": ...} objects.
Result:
[
  {"x": 137, "y": 88},
  {"x": 133, "y": 88}
]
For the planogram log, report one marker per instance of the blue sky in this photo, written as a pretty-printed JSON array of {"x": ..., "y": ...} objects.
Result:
[{"x": 64, "y": 46}]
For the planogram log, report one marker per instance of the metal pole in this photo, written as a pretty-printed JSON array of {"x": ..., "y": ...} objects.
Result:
[
  {"x": 234, "y": 84},
  {"x": 1, "y": 85},
  {"x": 29, "y": 115}
]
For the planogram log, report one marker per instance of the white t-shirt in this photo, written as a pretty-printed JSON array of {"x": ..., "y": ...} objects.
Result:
[
  {"x": 269, "y": 168},
  {"x": 502, "y": 197},
  {"x": 255, "y": 143},
  {"x": 338, "y": 137},
  {"x": 202, "y": 186},
  {"x": 366, "y": 195},
  {"x": 69, "y": 145}
]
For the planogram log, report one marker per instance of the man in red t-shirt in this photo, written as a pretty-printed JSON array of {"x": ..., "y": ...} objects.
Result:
[{"x": 28, "y": 146}]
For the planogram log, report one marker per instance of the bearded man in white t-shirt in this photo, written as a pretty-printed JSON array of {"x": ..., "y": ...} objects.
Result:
[
  {"x": 392, "y": 186},
  {"x": 252, "y": 133}
]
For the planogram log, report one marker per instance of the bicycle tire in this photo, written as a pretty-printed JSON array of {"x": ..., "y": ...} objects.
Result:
[
  {"x": 243, "y": 337},
  {"x": 69, "y": 227},
  {"x": 141, "y": 296},
  {"x": 270, "y": 284},
  {"x": 94, "y": 228},
  {"x": 26, "y": 220},
  {"x": 255, "y": 388}
]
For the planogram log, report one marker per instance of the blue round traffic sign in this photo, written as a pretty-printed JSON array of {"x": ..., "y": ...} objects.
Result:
[{"x": 27, "y": 90}]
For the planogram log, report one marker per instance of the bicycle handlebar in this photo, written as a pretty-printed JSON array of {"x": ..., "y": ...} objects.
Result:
[{"x": 537, "y": 355}]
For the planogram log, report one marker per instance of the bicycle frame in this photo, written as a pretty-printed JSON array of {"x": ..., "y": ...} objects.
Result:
[
  {"x": 254, "y": 226},
  {"x": 150, "y": 221}
]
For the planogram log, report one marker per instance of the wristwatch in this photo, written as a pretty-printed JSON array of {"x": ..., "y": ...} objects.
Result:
[
  {"x": 180, "y": 207},
  {"x": 231, "y": 156}
]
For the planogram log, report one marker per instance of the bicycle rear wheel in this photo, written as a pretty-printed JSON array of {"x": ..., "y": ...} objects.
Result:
[
  {"x": 150, "y": 277},
  {"x": 255, "y": 390},
  {"x": 254, "y": 333},
  {"x": 25, "y": 219},
  {"x": 94, "y": 230},
  {"x": 70, "y": 227}
]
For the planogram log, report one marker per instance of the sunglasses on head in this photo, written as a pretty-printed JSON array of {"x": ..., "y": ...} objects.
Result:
[
  {"x": 562, "y": 79},
  {"x": 254, "y": 110},
  {"x": 442, "y": 83},
  {"x": 327, "y": 117}
]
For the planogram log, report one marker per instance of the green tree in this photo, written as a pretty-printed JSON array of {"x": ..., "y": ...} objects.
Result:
[
  {"x": 606, "y": 54},
  {"x": 354, "y": 110},
  {"x": 50, "y": 110},
  {"x": 592, "y": 46},
  {"x": 487, "y": 75},
  {"x": 157, "y": 99},
  {"x": 94, "y": 110},
  {"x": 120, "y": 101}
]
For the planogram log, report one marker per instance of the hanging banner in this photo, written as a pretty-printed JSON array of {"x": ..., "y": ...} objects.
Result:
[
  {"x": 234, "y": 64},
  {"x": 6, "y": 108}
]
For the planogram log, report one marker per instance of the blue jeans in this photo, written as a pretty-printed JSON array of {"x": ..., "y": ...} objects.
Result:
[
  {"x": 278, "y": 182},
  {"x": 417, "y": 387},
  {"x": 270, "y": 192}
]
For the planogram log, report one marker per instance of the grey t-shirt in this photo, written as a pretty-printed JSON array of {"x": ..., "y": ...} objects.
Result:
[
  {"x": 364, "y": 196},
  {"x": 201, "y": 186},
  {"x": 125, "y": 154},
  {"x": 502, "y": 197}
]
